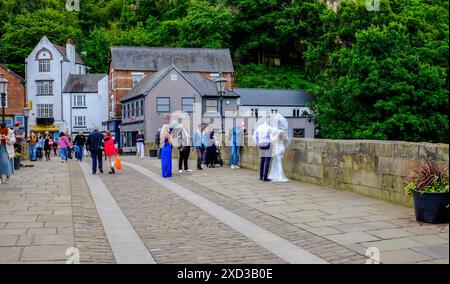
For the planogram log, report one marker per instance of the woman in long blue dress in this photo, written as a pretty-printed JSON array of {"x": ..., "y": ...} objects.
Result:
[{"x": 166, "y": 156}]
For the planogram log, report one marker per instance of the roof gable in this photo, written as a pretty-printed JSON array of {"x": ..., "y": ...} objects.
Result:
[{"x": 158, "y": 58}]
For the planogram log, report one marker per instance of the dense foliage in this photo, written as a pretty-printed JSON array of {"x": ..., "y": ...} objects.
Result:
[{"x": 375, "y": 74}]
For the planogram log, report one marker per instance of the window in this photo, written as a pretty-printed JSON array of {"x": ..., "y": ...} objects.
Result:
[
  {"x": 79, "y": 101},
  {"x": 173, "y": 77},
  {"x": 80, "y": 121},
  {"x": 254, "y": 112},
  {"x": 44, "y": 88},
  {"x": 213, "y": 76},
  {"x": 137, "y": 77},
  {"x": 296, "y": 113},
  {"x": 44, "y": 110},
  {"x": 44, "y": 65},
  {"x": 79, "y": 70},
  {"x": 188, "y": 104},
  {"x": 6, "y": 91},
  {"x": 133, "y": 109},
  {"x": 162, "y": 104},
  {"x": 299, "y": 133},
  {"x": 124, "y": 113},
  {"x": 142, "y": 107},
  {"x": 128, "y": 110},
  {"x": 211, "y": 106}
]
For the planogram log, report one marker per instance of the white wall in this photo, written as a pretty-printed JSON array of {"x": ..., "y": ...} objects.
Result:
[
  {"x": 284, "y": 111},
  {"x": 96, "y": 110},
  {"x": 59, "y": 73}
]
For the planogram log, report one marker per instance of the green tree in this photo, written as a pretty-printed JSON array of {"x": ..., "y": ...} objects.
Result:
[{"x": 24, "y": 32}]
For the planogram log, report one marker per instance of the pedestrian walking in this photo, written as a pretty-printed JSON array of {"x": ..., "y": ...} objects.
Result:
[
  {"x": 94, "y": 144},
  {"x": 19, "y": 138},
  {"x": 198, "y": 143},
  {"x": 211, "y": 149},
  {"x": 32, "y": 141},
  {"x": 236, "y": 142},
  {"x": 7, "y": 153},
  {"x": 166, "y": 150},
  {"x": 158, "y": 142},
  {"x": 140, "y": 143},
  {"x": 64, "y": 145},
  {"x": 70, "y": 149},
  {"x": 184, "y": 148},
  {"x": 48, "y": 142},
  {"x": 40, "y": 147},
  {"x": 110, "y": 151},
  {"x": 55, "y": 147},
  {"x": 79, "y": 143}
]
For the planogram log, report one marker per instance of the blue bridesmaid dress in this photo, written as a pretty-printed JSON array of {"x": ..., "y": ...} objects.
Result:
[{"x": 166, "y": 159}]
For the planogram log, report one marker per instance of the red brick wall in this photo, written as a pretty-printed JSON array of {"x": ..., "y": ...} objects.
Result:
[{"x": 15, "y": 93}]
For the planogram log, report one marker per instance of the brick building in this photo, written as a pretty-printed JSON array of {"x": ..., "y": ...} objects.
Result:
[{"x": 15, "y": 97}]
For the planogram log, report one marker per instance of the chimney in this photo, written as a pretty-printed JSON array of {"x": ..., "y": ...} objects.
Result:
[{"x": 70, "y": 50}]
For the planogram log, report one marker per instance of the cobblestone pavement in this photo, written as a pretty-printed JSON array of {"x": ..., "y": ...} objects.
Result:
[
  {"x": 323, "y": 217},
  {"x": 49, "y": 208}
]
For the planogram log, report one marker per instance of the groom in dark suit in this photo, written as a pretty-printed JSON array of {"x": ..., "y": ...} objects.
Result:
[{"x": 263, "y": 139}]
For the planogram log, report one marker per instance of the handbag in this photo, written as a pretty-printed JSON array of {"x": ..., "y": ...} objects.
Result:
[{"x": 118, "y": 163}]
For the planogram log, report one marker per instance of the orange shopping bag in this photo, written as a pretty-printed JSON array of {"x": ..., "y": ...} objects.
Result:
[{"x": 118, "y": 163}]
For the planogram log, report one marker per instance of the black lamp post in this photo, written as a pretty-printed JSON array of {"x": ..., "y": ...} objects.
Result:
[
  {"x": 3, "y": 86},
  {"x": 220, "y": 86},
  {"x": 26, "y": 114}
]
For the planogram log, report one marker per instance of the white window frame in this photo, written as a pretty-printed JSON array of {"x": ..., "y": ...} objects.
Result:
[
  {"x": 158, "y": 104},
  {"x": 44, "y": 110},
  {"x": 44, "y": 65},
  {"x": 78, "y": 119},
  {"x": 135, "y": 75},
  {"x": 210, "y": 106},
  {"x": 76, "y": 101},
  {"x": 183, "y": 105},
  {"x": 46, "y": 86}
]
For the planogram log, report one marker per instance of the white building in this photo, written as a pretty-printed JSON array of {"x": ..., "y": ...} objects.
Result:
[
  {"x": 48, "y": 69},
  {"x": 291, "y": 104},
  {"x": 85, "y": 102}
]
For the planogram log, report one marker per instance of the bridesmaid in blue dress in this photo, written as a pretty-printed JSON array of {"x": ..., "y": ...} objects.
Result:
[{"x": 166, "y": 156}]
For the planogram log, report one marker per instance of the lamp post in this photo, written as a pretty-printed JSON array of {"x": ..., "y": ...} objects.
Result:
[
  {"x": 3, "y": 87},
  {"x": 26, "y": 114},
  {"x": 220, "y": 86}
]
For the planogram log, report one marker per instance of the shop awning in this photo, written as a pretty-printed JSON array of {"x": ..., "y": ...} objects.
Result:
[
  {"x": 132, "y": 127},
  {"x": 43, "y": 128}
]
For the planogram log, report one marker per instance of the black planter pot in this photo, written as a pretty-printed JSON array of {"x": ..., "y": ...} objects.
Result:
[
  {"x": 16, "y": 164},
  {"x": 431, "y": 207}
]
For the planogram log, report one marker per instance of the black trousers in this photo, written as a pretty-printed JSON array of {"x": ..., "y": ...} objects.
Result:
[
  {"x": 264, "y": 167},
  {"x": 184, "y": 157}
]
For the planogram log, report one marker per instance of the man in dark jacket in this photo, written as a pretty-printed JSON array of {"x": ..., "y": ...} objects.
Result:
[
  {"x": 79, "y": 142},
  {"x": 94, "y": 145}
]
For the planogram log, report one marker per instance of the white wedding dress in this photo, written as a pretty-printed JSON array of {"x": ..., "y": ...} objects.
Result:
[{"x": 276, "y": 170}]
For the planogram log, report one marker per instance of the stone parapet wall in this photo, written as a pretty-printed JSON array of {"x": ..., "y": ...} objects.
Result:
[{"x": 373, "y": 168}]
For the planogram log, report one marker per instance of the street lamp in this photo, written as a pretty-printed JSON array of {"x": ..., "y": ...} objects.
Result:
[
  {"x": 26, "y": 114},
  {"x": 3, "y": 86},
  {"x": 220, "y": 86}
]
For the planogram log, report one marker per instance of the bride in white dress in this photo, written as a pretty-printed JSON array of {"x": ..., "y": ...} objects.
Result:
[{"x": 276, "y": 170}]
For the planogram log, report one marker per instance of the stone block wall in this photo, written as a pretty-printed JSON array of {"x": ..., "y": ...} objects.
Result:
[{"x": 372, "y": 168}]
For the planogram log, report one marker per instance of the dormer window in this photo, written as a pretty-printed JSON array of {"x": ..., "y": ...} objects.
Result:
[{"x": 44, "y": 57}]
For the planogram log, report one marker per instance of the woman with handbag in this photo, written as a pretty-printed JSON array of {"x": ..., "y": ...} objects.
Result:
[
  {"x": 184, "y": 148},
  {"x": 7, "y": 153},
  {"x": 110, "y": 151}
]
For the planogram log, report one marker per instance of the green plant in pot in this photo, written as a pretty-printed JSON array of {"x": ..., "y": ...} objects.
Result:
[{"x": 428, "y": 184}]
